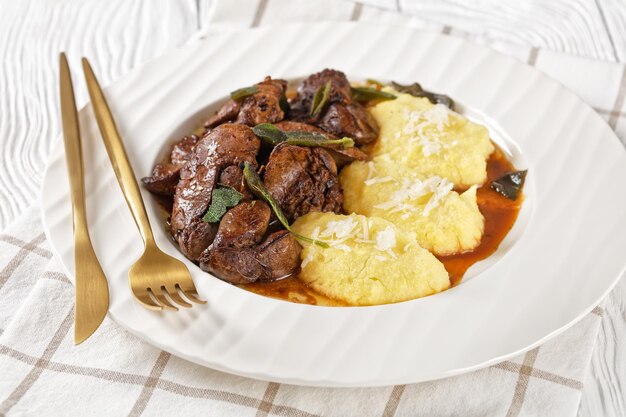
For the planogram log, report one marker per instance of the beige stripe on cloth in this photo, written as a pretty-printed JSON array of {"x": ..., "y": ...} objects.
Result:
[
  {"x": 10, "y": 268},
  {"x": 525, "y": 372},
  {"x": 393, "y": 401},
  {"x": 40, "y": 365},
  {"x": 148, "y": 387},
  {"x": 44, "y": 253}
]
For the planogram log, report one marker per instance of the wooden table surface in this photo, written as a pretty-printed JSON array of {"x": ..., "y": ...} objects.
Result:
[{"x": 117, "y": 35}]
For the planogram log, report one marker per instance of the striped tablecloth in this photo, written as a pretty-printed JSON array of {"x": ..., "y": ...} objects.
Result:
[{"x": 114, "y": 373}]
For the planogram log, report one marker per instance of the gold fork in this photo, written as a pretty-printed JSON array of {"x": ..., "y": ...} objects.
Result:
[{"x": 156, "y": 279}]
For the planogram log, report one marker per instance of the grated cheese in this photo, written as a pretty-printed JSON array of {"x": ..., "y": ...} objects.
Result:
[
  {"x": 366, "y": 229},
  {"x": 371, "y": 170},
  {"x": 343, "y": 247},
  {"x": 427, "y": 127},
  {"x": 340, "y": 228},
  {"x": 308, "y": 258},
  {"x": 386, "y": 239},
  {"x": 412, "y": 190},
  {"x": 379, "y": 180},
  {"x": 441, "y": 191}
]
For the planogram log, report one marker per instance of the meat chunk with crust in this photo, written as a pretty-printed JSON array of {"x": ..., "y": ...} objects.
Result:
[
  {"x": 222, "y": 147},
  {"x": 341, "y": 116},
  {"x": 339, "y": 90},
  {"x": 239, "y": 254},
  {"x": 264, "y": 106},
  {"x": 350, "y": 120},
  {"x": 165, "y": 175},
  {"x": 302, "y": 180}
]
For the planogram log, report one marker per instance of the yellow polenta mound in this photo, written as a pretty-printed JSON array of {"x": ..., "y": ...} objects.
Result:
[
  {"x": 370, "y": 261},
  {"x": 432, "y": 140},
  {"x": 443, "y": 221}
]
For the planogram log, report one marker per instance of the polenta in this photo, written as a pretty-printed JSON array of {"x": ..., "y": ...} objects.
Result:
[
  {"x": 370, "y": 261},
  {"x": 430, "y": 139},
  {"x": 443, "y": 221}
]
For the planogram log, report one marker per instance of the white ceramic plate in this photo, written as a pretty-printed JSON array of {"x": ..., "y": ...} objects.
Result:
[{"x": 562, "y": 257}]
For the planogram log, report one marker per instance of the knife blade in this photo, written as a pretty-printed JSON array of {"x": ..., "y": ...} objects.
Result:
[{"x": 92, "y": 290}]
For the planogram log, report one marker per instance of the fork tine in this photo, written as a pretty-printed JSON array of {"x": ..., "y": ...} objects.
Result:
[
  {"x": 175, "y": 296},
  {"x": 191, "y": 293},
  {"x": 145, "y": 300},
  {"x": 161, "y": 299}
]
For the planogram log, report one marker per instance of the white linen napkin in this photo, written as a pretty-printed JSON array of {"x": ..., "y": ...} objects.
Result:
[{"x": 115, "y": 374}]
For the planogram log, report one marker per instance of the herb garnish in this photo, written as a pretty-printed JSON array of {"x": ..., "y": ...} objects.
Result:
[
  {"x": 374, "y": 82},
  {"x": 258, "y": 188},
  {"x": 509, "y": 185},
  {"x": 273, "y": 135},
  {"x": 320, "y": 98},
  {"x": 222, "y": 198},
  {"x": 416, "y": 90},
  {"x": 244, "y": 92},
  {"x": 283, "y": 103},
  {"x": 369, "y": 93}
]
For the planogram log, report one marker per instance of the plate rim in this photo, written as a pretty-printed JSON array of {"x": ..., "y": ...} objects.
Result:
[{"x": 309, "y": 382}]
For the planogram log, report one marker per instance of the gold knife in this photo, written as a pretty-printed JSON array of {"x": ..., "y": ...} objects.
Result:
[{"x": 92, "y": 290}]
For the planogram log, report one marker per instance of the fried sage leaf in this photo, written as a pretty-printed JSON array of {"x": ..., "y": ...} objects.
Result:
[
  {"x": 222, "y": 198},
  {"x": 272, "y": 135},
  {"x": 374, "y": 82},
  {"x": 369, "y": 93},
  {"x": 269, "y": 133},
  {"x": 316, "y": 139},
  {"x": 283, "y": 103},
  {"x": 258, "y": 189},
  {"x": 416, "y": 90},
  {"x": 244, "y": 92},
  {"x": 320, "y": 98},
  {"x": 510, "y": 184}
]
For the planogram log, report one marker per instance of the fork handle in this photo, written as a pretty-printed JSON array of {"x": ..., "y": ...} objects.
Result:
[{"x": 117, "y": 155}]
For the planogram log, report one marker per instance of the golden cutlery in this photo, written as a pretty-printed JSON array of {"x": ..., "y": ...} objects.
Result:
[
  {"x": 156, "y": 279},
  {"x": 92, "y": 291}
]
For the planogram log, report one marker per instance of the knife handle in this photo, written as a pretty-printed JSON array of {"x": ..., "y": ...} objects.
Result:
[
  {"x": 117, "y": 155},
  {"x": 73, "y": 151}
]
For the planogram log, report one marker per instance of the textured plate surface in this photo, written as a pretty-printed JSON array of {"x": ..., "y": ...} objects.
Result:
[{"x": 562, "y": 257}]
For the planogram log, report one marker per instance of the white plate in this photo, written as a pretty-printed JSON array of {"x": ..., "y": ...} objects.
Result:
[{"x": 562, "y": 257}]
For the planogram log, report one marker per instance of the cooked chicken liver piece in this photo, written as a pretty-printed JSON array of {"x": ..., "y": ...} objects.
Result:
[
  {"x": 239, "y": 254},
  {"x": 350, "y": 120},
  {"x": 341, "y": 116},
  {"x": 339, "y": 90},
  {"x": 227, "y": 113},
  {"x": 341, "y": 155},
  {"x": 197, "y": 236},
  {"x": 165, "y": 175},
  {"x": 226, "y": 145},
  {"x": 302, "y": 180},
  {"x": 260, "y": 107}
]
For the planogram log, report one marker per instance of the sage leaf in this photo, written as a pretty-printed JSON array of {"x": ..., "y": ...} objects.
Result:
[
  {"x": 258, "y": 189},
  {"x": 222, "y": 198},
  {"x": 244, "y": 92},
  {"x": 320, "y": 98},
  {"x": 510, "y": 184},
  {"x": 416, "y": 90},
  {"x": 272, "y": 135},
  {"x": 269, "y": 133},
  {"x": 316, "y": 139},
  {"x": 369, "y": 93}
]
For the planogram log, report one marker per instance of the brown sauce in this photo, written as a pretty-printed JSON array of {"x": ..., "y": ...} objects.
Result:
[{"x": 500, "y": 214}]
